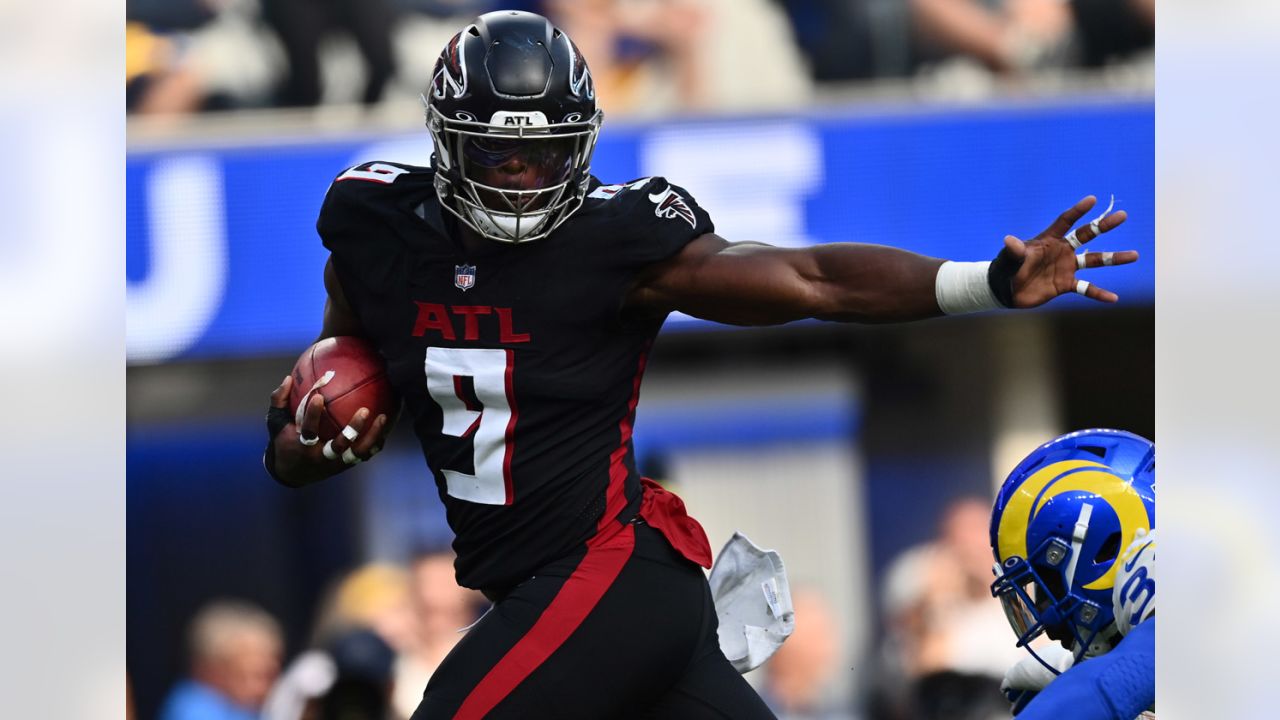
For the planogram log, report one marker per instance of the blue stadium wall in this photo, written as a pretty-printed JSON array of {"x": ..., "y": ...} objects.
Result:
[{"x": 223, "y": 259}]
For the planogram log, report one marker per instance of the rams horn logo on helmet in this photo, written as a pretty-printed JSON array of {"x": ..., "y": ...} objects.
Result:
[{"x": 1070, "y": 476}]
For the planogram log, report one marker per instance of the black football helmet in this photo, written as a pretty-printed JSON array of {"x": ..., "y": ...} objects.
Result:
[{"x": 512, "y": 111}]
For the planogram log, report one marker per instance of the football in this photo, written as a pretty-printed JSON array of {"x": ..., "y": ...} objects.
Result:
[{"x": 350, "y": 374}]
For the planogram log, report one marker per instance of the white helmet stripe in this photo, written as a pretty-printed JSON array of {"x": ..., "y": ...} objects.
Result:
[{"x": 1077, "y": 541}]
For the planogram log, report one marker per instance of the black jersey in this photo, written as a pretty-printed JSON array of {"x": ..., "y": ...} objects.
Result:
[{"x": 518, "y": 370}]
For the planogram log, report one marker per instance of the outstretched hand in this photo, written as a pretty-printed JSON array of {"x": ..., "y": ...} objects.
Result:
[{"x": 1047, "y": 264}]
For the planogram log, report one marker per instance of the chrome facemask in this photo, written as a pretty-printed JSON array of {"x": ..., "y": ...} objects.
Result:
[{"x": 516, "y": 178}]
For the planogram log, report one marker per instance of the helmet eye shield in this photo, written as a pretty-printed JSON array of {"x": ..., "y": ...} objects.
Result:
[
  {"x": 514, "y": 184},
  {"x": 533, "y": 163},
  {"x": 1017, "y": 590},
  {"x": 517, "y": 175}
]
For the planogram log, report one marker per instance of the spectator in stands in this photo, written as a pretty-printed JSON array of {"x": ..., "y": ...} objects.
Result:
[
  {"x": 852, "y": 39},
  {"x": 348, "y": 677},
  {"x": 363, "y": 678},
  {"x": 375, "y": 595},
  {"x": 1006, "y": 36},
  {"x": 235, "y": 651},
  {"x": 948, "y": 637},
  {"x": 157, "y": 80},
  {"x": 623, "y": 36},
  {"x": 170, "y": 15},
  {"x": 303, "y": 24},
  {"x": 441, "y": 609},
  {"x": 1111, "y": 29},
  {"x": 187, "y": 56},
  {"x": 1012, "y": 36},
  {"x": 797, "y": 677}
]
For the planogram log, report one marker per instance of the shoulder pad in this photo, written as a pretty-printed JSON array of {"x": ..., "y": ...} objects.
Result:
[
  {"x": 650, "y": 199},
  {"x": 361, "y": 213},
  {"x": 380, "y": 179},
  {"x": 608, "y": 192},
  {"x": 372, "y": 188},
  {"x": 644, "y": 221}
]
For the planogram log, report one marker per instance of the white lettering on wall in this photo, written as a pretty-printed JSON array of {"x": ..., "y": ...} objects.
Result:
[
  {"x": 752, "y": 178},
  {"x": 169, "y": 310}
]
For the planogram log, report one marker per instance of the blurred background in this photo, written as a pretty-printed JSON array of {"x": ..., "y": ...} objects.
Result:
[{"x": 866, "y": 456}]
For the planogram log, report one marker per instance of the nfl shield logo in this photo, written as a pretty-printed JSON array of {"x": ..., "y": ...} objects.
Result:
[{"x": 464, "y": 276}]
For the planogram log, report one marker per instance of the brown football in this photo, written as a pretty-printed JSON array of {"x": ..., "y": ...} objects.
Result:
[{"x": 356, "y": 377}]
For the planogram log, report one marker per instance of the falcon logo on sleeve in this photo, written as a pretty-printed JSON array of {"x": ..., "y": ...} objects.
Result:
[{"x": 672, "y": 205}]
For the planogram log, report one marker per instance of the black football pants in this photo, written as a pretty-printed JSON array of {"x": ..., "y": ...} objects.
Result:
[{"x": 625, "y": 628}]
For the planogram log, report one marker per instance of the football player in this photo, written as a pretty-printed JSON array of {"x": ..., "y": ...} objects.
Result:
[
  {"x": 515, "y": 298},
  {"x": 1073, "y": 532}
]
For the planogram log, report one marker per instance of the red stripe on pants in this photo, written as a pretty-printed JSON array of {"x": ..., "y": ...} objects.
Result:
[{"x": 605, "y": 558}]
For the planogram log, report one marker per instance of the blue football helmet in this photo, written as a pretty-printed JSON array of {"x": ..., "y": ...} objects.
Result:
[{"x": 1059, "y": 524}]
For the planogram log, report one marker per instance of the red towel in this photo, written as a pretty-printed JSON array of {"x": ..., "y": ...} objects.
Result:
[{"x": 664, "y": 511}]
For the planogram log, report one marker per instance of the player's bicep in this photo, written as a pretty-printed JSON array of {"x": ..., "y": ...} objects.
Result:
[
  {"x": 734, "y": 283},
  {"x": 339, "y": 318}
]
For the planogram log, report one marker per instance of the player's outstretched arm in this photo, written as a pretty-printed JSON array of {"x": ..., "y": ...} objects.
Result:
[
  {"x": 1117, "y": 686},
  {"x": 756, "y": 284},
  {"x": 291, "y": 457}
]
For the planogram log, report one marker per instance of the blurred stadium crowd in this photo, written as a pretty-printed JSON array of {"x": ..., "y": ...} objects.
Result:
[
  {"x": 383, "y": 628},
  {"x": 648, "y": 56}
]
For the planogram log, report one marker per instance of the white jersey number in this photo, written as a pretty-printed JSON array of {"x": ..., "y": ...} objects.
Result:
[
  {"x": 1134, "y": 595},
  {"x": 373, "y": 172},
  {"x": 487, "y": 416}
]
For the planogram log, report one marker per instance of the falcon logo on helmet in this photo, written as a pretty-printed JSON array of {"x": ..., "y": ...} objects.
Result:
[
  {"x": 504, "y": 166},
  {"x": 450, "y": 76},
  {"x": 580, "y": 83}
]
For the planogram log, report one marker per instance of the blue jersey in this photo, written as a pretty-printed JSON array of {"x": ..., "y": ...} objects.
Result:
[{"x": 1117, "y": 686}]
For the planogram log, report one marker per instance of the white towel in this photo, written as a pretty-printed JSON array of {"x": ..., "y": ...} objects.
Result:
[{"x": 753, "y": 602}]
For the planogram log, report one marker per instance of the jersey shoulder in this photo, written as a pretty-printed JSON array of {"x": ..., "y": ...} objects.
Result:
[
  {"x": 645, "y": 200},
  {"x": 642, "y": 221},
  {"x": 367, "y": 215},
  {"x": 372, "y": 189}
]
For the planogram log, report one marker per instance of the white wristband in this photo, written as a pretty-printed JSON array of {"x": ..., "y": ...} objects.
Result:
[{"x": 961, "y": 287}]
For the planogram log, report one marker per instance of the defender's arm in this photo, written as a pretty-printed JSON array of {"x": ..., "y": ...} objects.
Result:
[{"x": 1117, "y": 686}]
